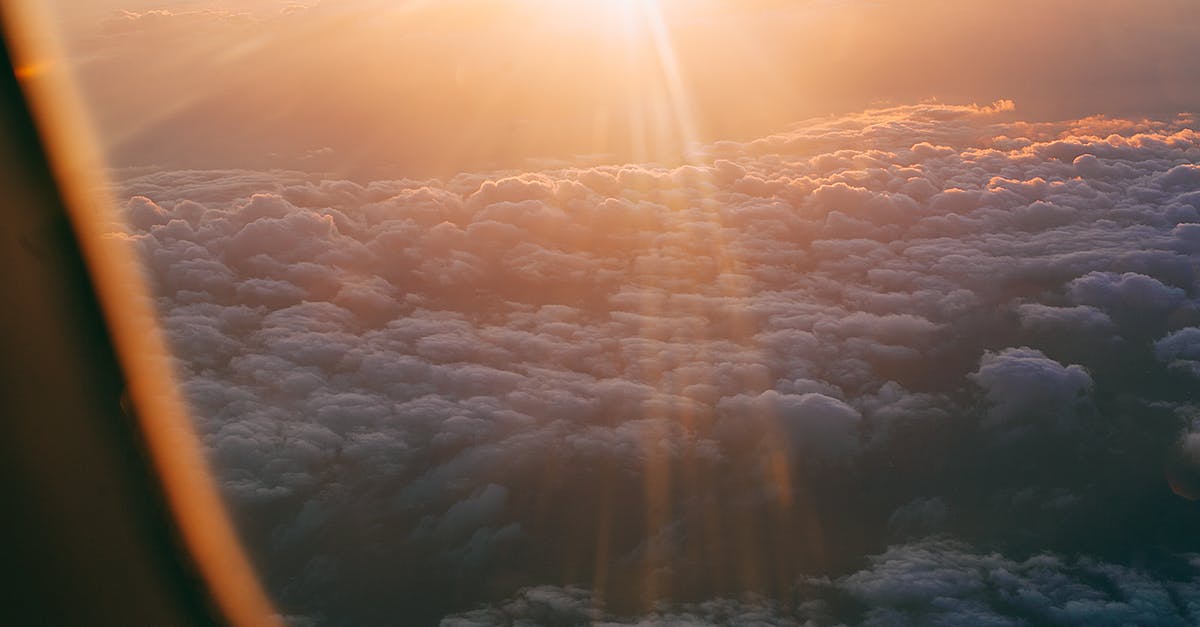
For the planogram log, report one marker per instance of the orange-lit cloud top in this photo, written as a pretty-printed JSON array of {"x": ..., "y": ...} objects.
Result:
[
  {"x": 692, "y": 382},
  {"x": 414, "y": 88}
]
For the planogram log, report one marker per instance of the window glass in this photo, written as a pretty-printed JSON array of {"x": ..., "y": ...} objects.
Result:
[{"x": 676, "y": 312}]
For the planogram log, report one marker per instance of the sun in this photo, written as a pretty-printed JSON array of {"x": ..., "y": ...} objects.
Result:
[
  {"x": 602, "y": 5},
  {"x": 615, "y": 17},
  {"x": 639, "y": 33}
]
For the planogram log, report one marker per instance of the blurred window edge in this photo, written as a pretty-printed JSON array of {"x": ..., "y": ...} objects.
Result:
[{"x": 116, "y": 292}]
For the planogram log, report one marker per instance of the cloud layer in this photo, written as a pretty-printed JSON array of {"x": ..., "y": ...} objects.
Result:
[
  {"x": 932, "y": 582},
  {"x": 738, "y": 377}
]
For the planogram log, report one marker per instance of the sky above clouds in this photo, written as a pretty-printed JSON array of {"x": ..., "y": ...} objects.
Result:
[
  {"x": 769, "y": 313},
  {"x": 372, "y": 89}
]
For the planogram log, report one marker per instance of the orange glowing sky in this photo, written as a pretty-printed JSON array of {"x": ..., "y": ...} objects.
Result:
[{"x": 374, "y": 88}]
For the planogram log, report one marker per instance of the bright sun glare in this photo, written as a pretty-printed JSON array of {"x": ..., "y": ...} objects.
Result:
[
  {"x": 638, "y": 31},
  {"x": 614, "y": 16}
]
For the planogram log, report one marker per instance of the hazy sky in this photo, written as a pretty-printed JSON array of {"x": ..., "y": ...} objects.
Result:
[{"x": 395, "y": 88}]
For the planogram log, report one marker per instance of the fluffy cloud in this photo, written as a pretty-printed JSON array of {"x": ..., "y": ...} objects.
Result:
[
  {"x": 702, "y": 382},
  {"x": 938, "y": 582},
  {"x": 1181, "y": 350},
  {"x": 929, "y": 582},
  {"x": 1023, "y": 381},
  {"x": 812, "y": 425}
]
